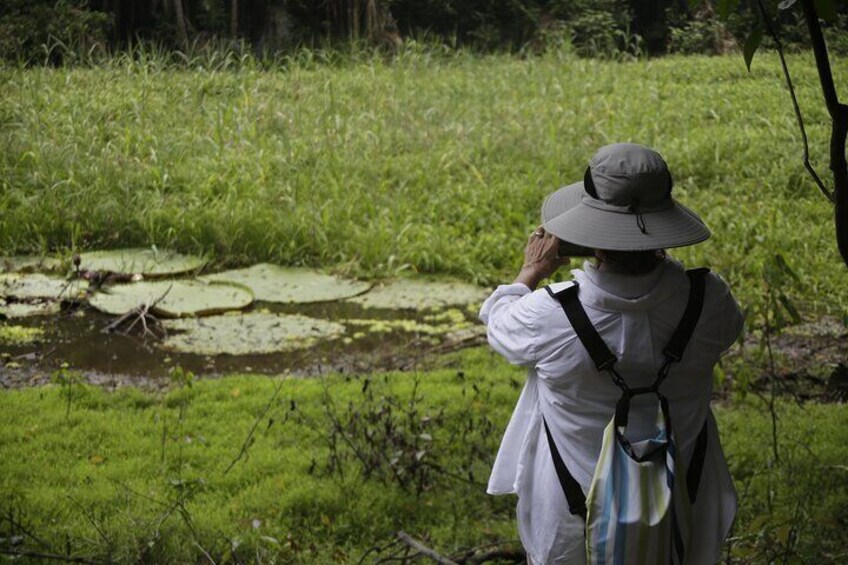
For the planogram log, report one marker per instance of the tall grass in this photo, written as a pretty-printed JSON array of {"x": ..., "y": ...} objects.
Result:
[{"x": 427, "y": 161}]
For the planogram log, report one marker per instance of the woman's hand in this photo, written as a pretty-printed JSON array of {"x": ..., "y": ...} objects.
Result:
[{"x": 540, "y": 258}]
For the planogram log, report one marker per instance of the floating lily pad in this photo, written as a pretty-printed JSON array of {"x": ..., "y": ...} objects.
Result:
[
  {"x": 24, "y": 309},
  {"x": 410, "y": 294},
  {"x": 273, "y": 283},
  {"x": 181, "y": 298},
  {"x": 29, "y": 263},
  {"x": 248, "y": 334},
  {"x": 38, "y": 286},
  {"x": 146, "y": 261}
]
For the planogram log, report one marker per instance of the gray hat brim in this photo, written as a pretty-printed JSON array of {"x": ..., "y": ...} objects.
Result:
[{"x": 566, "y": 216}]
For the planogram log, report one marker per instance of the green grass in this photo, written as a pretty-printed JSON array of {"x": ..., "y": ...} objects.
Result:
[
  {"x": 104, "y": 468},
  {"x": 431, "y": 163}
]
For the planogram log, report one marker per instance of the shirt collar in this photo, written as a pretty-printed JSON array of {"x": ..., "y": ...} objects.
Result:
[{"x": 611, "y": 291}]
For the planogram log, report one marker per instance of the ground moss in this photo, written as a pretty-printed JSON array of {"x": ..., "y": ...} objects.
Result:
[{"x": 107, "y": 459}]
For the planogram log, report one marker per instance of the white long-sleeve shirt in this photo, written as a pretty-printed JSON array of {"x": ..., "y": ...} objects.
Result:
[{"x": 636, "y": 316}]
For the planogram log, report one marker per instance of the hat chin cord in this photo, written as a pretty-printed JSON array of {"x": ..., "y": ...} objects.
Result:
[{"x": 640, "y": 219}]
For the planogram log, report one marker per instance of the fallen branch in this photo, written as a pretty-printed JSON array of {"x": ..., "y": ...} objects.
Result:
[
  {"x": 515, "y": 555},
  {"x": 141, "y": 313},
  {"x": 423, "y": 549}
]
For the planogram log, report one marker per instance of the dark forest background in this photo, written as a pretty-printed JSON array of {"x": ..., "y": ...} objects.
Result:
[{"x": 31, "y": 29}]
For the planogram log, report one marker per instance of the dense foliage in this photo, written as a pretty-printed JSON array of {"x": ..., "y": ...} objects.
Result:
[{"x": 54, "y": 30}]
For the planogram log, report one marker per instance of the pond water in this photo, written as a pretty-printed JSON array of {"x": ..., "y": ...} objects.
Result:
[
  {"x": 76, "y": 337},
  {"x": 314, "y": 322}
]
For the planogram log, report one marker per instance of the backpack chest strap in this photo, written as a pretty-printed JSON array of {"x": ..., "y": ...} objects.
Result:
[{"x": 600, "y": 353}]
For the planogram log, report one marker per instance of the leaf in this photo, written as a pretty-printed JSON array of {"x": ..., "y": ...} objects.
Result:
[
  {"x": 826, "y": 9},
  {"x": 418, "y": 294},
  {"x": 790, "y": 308},
  {"x": 784, "y": 266},
  {"x": 786, "y": 4},
  {"x": 273, "y": 283},
  {"x": 248, "y": 334},
  {"x": 178, "y": 298},
  {"x": 147, "y": 261},
  {"x": 751, "y": 45},
  {"x": 37, "y": 286}
]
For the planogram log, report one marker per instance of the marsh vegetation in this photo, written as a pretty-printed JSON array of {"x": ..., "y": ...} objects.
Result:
[{"x": 368, "y": 168}]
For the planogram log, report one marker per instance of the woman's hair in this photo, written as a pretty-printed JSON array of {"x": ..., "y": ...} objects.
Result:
[{"x": 630, "y": 262}]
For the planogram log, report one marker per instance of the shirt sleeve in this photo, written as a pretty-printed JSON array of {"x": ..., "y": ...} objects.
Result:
[
  {"x": 510, "y": 324},
  {"x": 726, "y": 313}
]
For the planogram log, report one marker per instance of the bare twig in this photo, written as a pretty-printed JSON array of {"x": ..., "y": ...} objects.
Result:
[
  {"x": 141, "y": 313},
  {"x": 205, "y": 554},
  {"x": 247, "y": 441},
  {"x": 515, "y": 555},
  {"x": 494, "y": 550},
  {"x": 378, "y": 549},
  {"x": 91, "y": 520}
]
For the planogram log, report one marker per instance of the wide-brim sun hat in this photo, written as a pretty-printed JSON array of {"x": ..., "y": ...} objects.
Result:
[{"x": 624, "y": 203}]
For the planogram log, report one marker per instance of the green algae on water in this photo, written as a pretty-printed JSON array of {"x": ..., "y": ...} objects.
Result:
[
  {"x": 248, "y": 334},
  {"x": 20, "y": 335}
]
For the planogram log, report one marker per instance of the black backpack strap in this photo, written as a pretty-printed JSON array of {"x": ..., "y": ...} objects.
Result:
[
  {"x": 604, "y": 359},
  {"x": 598, "y": 350},
  {"x": 674, "y": 352},
  {"x": 677, "y": 344},
  {"x": 696, "y": 464},
  {"x": 573, "y": 493}
]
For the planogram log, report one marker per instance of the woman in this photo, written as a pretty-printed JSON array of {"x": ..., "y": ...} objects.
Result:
[{"x": 634, "y": 295}]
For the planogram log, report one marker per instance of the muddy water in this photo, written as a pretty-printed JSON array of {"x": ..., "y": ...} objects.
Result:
[{"x": 75, "y": 337}]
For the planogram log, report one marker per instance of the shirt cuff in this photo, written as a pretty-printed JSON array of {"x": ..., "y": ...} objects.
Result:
[{"x": 505, "y": 291}]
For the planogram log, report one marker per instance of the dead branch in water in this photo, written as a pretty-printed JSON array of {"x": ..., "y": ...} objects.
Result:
[{"x": 141, "y": 314}]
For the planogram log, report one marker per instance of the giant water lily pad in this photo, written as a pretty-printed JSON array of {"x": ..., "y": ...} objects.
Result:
[
  {"x": 248, "y": 334},
  {"x": 36, "y": 286},
  {"x": 411, "y": 294},
  {"x": 29, "y": 263},
  {"x": 181, "y": 298},
  {"x": 273, "y": 283},
  {"x": 25, "y": 309},
  {"x": 145, "y": 261}
]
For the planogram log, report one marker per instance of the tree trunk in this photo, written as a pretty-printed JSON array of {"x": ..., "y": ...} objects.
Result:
[
  {"x": 839, "y": 127},
  {"x": 181, "y": 23},
  {"x": 234, "y": 18}
]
